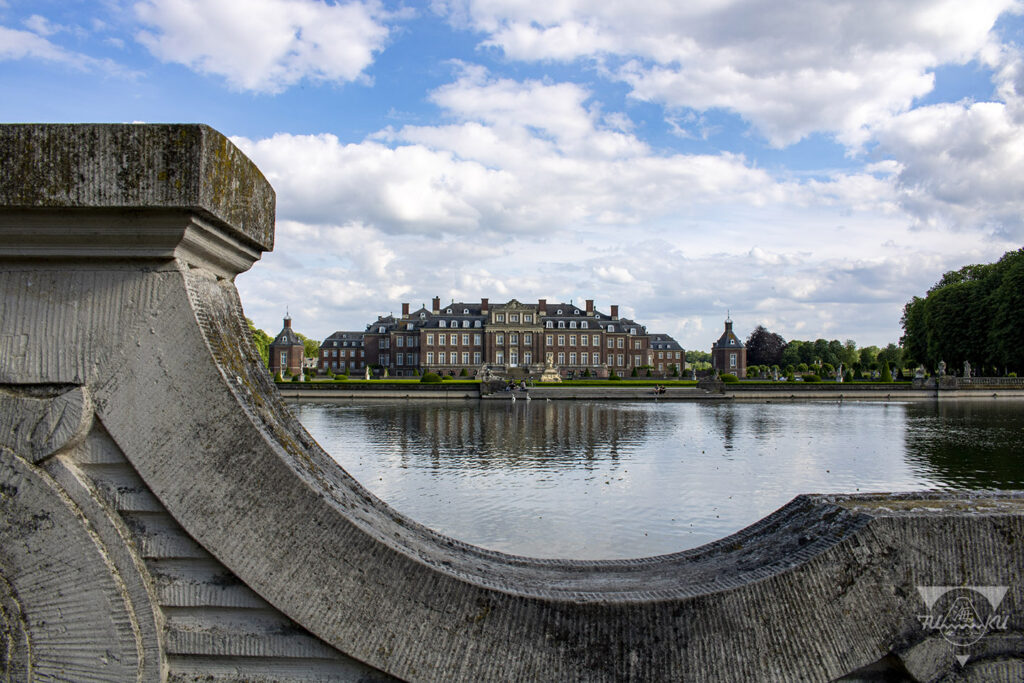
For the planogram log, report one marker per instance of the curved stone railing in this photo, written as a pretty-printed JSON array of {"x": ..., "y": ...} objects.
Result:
[{"x": 163, "y": 515}]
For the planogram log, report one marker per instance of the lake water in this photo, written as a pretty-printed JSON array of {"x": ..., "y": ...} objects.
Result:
[{"x": 592, "y": 480}]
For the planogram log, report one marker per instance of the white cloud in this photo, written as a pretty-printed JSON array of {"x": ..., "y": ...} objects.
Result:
[
  {"x": 790, "y": 68},
  {"x": 15, "y": 44},
  {"x": 960, "y": 166},
  {"x": 265, "y": 45}
]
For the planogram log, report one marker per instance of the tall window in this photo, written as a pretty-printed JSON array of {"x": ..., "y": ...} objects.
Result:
[
  {"x": 441, "y": 358},
  {"x": 611, "y": 343},
  {"x": 513, "y": 357},
  {"x": 547, "y": 340},
  {"x": 618, "y": 360},
  {"x": 399, "y": 341},
  {"x": 561, "y": 358},
  {"x": 430, "y": 340},
  {"x": 284, "y": 360},
  {"x": 572, "y": 358},
  {"x": 572, "y": 340},
  {"x": 476, "y": 340},
  {"x": 465, "y": 340},
  {"x": 499, "y": 357},
  {"x": 513, "y": 338},
  {"x": 476, "y": 358},
  {"x": 618, "y": 342},
  {"x": 465, "y": 357},
  {"x": 584, "y": 358},
  {"x": 732, "y": 360},
  {"x": 499, "y": 339},
  {"x": 430, "y": 357},
  {"x": 561, "y": 340},
  {"x": 527, "y": 338},
  {"x": 527, "y": 357},
  {"x": 399, "y": 359}
]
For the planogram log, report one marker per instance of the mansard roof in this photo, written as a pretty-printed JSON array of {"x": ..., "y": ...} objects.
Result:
[{"x": 663, "y": 341}]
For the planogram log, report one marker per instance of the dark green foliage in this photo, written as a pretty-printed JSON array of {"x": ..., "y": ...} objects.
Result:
[
  {"x": 764, "y": 347},
  {"x": 729, "y": 377},
  {"x": 430, "y": 378},
  {"x": 812, "y": 378},
  {"x": 464, "y": 373},
  {"x": 634, "y": 373},
  {"x": 973, "y": 314},
  {"x": 262, "y": 341},
  {"x": 886, "y": 373},
  {"x": 613, "y": 376},
  {"x": 586, "y": 372},
  {"x": 278, "y": 377}
]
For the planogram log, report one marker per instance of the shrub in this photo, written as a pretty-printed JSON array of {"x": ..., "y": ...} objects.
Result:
[
  {"x": 296, "y": 378},
  {"x": 586, "y": 372},
  {"x": 675, "y": 371},
  {"x": 430, "y": 378},
  {"x": 1011, "y": 374},
  {"x": 634, "y": 373},
  {"x": 613, "y": 376},
  {"x": 445, "y": 378},
  {"x": 886, "y": 373},
  {"x": 790, "y": 377},
  {"x": 848, "y": 377},
  {"x": 278, "y": 377},
  {"x": 648, "y": 373},
  {"x": 340, "y": 378},
  {"x": 464, "y": 373},
  {"x": 728, "y": 377},
  {"x": 812, "y": 378},
  {"x": 802, "y": 367}
]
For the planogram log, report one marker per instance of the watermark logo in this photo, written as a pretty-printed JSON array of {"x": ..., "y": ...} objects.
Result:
[{"x": 963, "y": 614}]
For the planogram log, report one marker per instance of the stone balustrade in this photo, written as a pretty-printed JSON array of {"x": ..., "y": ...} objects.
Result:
[{"x": 164, "y": 517}]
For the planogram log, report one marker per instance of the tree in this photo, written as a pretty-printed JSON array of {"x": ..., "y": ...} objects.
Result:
[
  {"x": 764, "y": 347},
  {"x": 262, "y": 341},
  {"x": 971, "y": 314},
  {"x": 310, "y": 347}
]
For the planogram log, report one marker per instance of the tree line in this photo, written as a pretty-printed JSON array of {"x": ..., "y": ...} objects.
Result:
[
  {"x": 768, "y": 349},
  {"x": 974, "y": 314}
]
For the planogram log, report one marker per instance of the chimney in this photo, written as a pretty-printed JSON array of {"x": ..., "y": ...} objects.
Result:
[
  {"x": 437, "y": 305},
  {"x": 405, "y": 311},
  {"x": 542, "y": 304},
  {"x": 590, "y": 307},
  {"x": 483, "y": 306},
  {"x": 615, "y": 311}
]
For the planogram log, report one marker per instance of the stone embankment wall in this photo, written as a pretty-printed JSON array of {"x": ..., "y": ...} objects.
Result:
[{"x": 164, "y": 517}]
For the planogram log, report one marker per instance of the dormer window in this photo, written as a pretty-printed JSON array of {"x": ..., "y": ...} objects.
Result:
[
  {"x": 408, "y": 326},
  {"x": 576, "y": 312},
  {"x": 380, "y": 330},
  {"x": 584, "y": 324},
  {"x": 499, "y": 317},
  {"x": 476, "y": 323},
  {"x": 549, "y": 324},
  {"x": 632, "y": 330},
  {"x": 465, "y": 323},
  {"x": 572, "y": 324},
  {"x": 442, "y": 323},
  {"x": 465, "y": 311},
  {"x": 561, "y": 323},
  {"x": 527, "y": 318},
  {"x": 423, "y": 316},
  {"x": 559, "y": 311}
]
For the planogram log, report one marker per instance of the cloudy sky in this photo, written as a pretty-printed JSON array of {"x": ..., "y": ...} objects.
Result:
[{"x": 807, "y": 165}]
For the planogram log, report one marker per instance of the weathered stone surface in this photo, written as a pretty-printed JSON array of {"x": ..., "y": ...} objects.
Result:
[
  {"x": 214, "y": 481},
  {"x": 37, "y": 422},
  {"x": 138, "y": 167}
]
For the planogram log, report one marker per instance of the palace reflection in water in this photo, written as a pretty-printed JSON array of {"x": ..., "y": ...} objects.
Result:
[{"x": 603, "y": 480}]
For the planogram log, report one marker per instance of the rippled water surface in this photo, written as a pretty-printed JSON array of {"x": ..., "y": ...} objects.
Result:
[{"x": 576, "y": 479}]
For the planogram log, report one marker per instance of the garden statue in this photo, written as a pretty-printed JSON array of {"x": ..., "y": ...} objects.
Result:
[
  {"x": 367, "y": 374},
  {"x": 942, "y": 368},
  {"x": 839, "y": 373},
  {"x": 919, "y": 373},
  {"x": 967, "y": 369}
]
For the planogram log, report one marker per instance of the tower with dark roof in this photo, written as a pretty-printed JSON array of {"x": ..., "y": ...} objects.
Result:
[
  {"x": 286, "y": 351},
  {"x": 729, "y": 354}
]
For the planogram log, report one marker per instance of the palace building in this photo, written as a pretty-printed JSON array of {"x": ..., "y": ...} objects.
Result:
[{"x": 577, "y": 340}]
